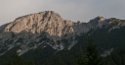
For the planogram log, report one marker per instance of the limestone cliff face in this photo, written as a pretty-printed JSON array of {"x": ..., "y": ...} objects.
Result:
[
  {"x": 47, "y": 30},
  {"x": 52, "y": 23},
  {"x": 47, "y": 21}
]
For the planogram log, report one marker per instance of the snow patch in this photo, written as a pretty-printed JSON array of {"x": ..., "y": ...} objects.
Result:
[{"x": 107, "y": 52}]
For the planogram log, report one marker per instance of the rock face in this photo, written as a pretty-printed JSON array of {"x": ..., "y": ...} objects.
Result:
[
  {"x": 52, "y": 23},
  {"x": 47, "y": 21},
  {"x": 48, "y": 30}
]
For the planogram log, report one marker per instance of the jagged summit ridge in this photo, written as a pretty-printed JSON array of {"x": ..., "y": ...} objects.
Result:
[
  {"x": 32, "y": 32},
  {"x": 53, "y": 24},
  {"x": 47, "y": 21}
]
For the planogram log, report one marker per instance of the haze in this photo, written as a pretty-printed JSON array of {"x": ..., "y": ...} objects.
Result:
[{"x": 74, "y": 10}]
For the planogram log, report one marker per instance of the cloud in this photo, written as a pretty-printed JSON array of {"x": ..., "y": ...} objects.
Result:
[{"x": 83, "y": 10}]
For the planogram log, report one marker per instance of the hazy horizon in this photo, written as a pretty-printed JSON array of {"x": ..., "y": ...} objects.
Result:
[{"x": 74, "y": 10}]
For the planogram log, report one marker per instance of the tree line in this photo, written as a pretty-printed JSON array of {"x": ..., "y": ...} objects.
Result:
[{"x": 88, "y": 57}]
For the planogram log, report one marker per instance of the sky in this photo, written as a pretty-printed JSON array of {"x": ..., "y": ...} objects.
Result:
[{"x": 75, "y": 10}]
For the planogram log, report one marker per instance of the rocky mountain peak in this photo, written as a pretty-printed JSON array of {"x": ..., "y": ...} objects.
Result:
[
  {"x": 47, "y": 21},
  {"x": 97, "y": 20},
  {"x": 100, "y": 18}
]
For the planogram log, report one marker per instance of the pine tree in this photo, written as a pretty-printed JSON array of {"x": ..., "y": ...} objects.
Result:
[
  {"x": 93, "y": 58},
  {"x": 82, "y": 60}
]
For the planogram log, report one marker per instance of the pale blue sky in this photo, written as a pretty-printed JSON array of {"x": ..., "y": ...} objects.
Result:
[{"x": 74, "y": 10}]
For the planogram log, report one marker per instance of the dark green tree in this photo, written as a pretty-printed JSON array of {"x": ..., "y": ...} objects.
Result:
[
  {"x": 17, "y": 60},
  {"x": 93, "y": 58},
  {"x": 82, "y": 60}
]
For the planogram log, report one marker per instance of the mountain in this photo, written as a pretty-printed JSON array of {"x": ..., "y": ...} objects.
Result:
[
  {"x": 47, "y": 21},
  {"x": 41, "y": 35}
]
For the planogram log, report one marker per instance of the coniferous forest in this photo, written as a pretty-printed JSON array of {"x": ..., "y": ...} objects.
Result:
[{"x": 87, "y": 56}]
